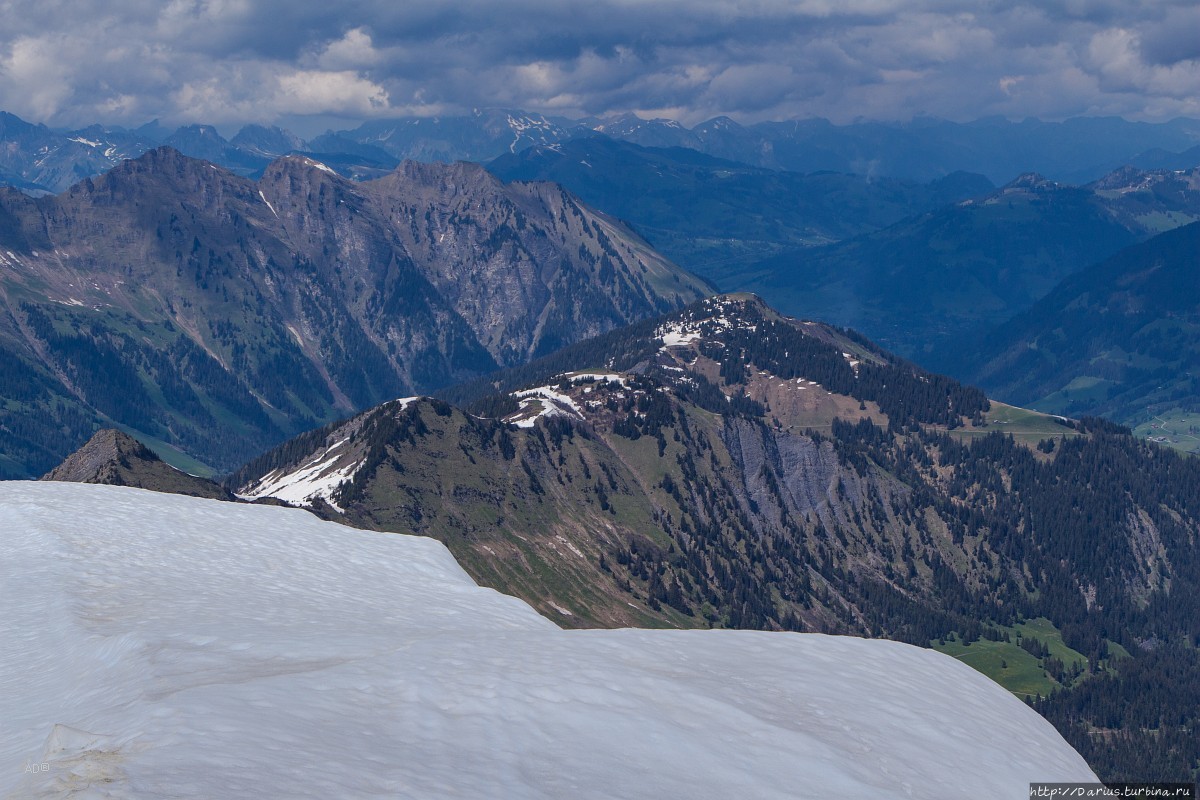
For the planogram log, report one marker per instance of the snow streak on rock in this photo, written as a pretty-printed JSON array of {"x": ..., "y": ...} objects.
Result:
[{"x": 317, "y": 478}]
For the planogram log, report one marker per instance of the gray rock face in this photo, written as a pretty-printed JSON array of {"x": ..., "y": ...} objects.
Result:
[{"x": 807, "y": 470}]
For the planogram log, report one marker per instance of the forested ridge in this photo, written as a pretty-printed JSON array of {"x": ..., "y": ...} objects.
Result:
[{"x": 909, "y": 516}]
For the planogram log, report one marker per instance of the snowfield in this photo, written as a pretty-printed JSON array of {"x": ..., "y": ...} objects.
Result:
[{"x": 159, "y": 646}]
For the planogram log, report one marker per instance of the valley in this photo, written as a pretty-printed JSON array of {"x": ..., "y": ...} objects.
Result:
[{"x": 1118, "y": 340}]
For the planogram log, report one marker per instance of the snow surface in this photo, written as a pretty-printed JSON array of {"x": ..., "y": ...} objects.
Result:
[
  {"x": 160, "y": 646},
  {"x": 714, "y": 320},
  {"x": 549, "y": 403},
  {"x": 607, "y": 377},
  {"x": 677, "y": 336}
]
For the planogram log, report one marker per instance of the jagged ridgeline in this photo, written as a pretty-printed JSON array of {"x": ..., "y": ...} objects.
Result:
[
  {"x": 761, "y": 337},
  {"x": 726, "y": 466},
  {"x": 220, "y": 315}
]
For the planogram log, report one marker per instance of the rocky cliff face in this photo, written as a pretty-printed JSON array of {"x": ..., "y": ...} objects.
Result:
[{"x": 222, "y": 314}]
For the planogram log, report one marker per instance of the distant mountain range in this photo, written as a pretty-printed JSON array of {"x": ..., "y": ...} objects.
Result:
[
  {"x": 716, "y": 217},
  {"x": 1076, "y": 150},
  {"x": 921, "y": 285},
  {"x": 920, "y": 267},
  {"x": 39, "y": 159},
  {"x": 1121, "y": 339},
  {"x": 220, "y": 314}
]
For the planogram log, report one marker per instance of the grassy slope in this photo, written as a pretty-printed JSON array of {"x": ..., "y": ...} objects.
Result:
[
  {"x": 1025, "y": 425},
  {"x": 1015, "y": 668}
]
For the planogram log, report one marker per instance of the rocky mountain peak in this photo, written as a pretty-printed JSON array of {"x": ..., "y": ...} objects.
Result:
[
  {"x": 163, "y": 162},
  {"x": 441, "y": 176},
  {"x": 305, "y": 293},
  {"x": 115, "y": 458},
  {"x": 106, "y": 448},
  {"x": 272, "y": 142}
]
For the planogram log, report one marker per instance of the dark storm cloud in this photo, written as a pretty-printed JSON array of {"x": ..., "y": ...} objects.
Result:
[{"x": 232, "y": 61}]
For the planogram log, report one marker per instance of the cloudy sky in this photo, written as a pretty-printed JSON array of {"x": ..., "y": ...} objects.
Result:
[{"x": 306, "y": 62}]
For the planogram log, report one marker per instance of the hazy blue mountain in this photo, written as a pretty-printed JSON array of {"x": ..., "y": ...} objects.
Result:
[
  {"x": 1075, "y": 150},
  {"x": 39, "y": 160},
  {"x": 715, "y": 216},
  {"x": 479, "y": 136},
  {"x": 204, "y": 142},
  {"x": 928, "y": 281},
  {"x": 924, "y": 149},
  {"x": 269, "y": 142},
  {"x": 1120, "y": 339}
]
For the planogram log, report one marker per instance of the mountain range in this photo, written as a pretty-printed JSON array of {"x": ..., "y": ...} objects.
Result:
[
  {"x": 922, "y": 284},
  {"x": 612, "y": 448},
  {"x": 919, "y": 267},
  {"x": 717, "y": 217},
  {"x": 220, "y": 314},
  {"x": 43, "y": 160},
  {"x": 1121, "y": 339},
  {"x": 924, "y": 149},
  {"x": 725, "y": 466}
]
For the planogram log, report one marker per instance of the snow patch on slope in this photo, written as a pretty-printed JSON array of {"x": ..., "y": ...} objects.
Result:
[
  {"x": 316, "y": 479},
  {"x": 157, "y": 645},
  {"x": 268, "y": 202},
  {"x": 713, "y": 318},
  {"x": 320, "y": 475},
  {"x": 606, "y": 377},
  {"x": 543, "y": 401},
  {"x": 677, "y": 335},
  {"x": 547, "y": 401},
  {"x": 318, "y": 165}
]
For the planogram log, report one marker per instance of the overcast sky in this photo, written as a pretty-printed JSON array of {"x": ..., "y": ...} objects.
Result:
[{"x": 305, "y": 62}]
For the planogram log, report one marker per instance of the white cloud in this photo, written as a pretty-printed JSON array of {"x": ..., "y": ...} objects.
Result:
[
  {"x": 34, "y": 71},
  {"x": 353, "y": 51},
  {"x": 315, "y": 92}
]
